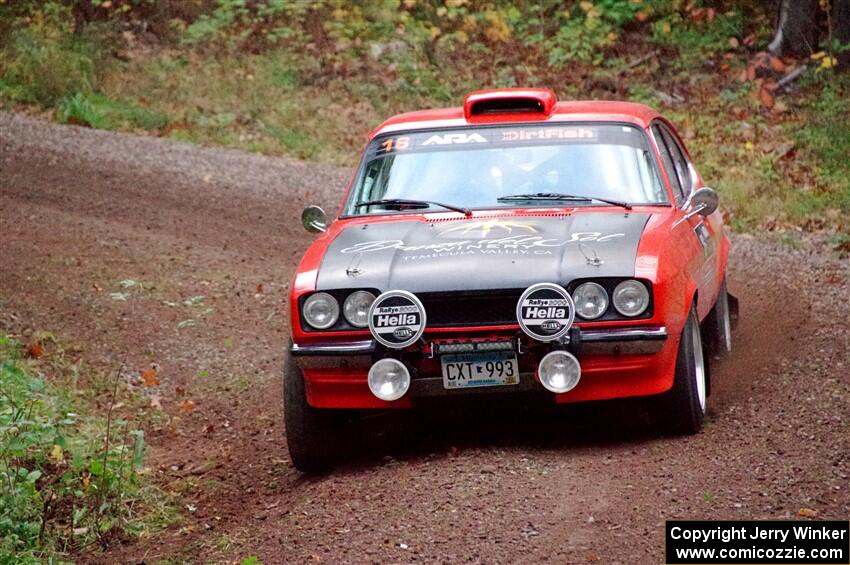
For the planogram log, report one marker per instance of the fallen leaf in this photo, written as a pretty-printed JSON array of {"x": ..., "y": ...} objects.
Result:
[
  {"x": 151, "y": 377},
  {"x": 641, "y": 16},
  {"x": 777, "y": 65},
  {"x": 827, "y": 63},
  {"x": 56, "y": 454},
  {"x": 259, "y": 289},
  {"x": 766, "y": 97},
  {"x": 156, "y": 402},
  {"x": 86, "y": 481},
  {"x": 35, "y": 350},
  {"x": 180, "y": 391},
  {"x": 734, "y": 43},
  {"x": 808, "y": 512},
  {"x": 186, "y": 406}
]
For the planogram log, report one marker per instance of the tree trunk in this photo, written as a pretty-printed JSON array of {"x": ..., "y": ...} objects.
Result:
[
  {"x": 841, "y": 30},
  {"x": 796, "y": 31}
]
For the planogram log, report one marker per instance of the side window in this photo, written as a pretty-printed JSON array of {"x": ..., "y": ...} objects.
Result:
[
  {"x": 680, "y": 162},
  {"x": 667, "y": 162}
]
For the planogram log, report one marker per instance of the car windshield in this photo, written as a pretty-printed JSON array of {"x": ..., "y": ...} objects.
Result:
[{"x": 476, "y": 167}]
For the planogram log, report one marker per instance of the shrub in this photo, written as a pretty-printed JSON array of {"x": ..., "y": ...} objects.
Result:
[{"x": 46, "y": 60}]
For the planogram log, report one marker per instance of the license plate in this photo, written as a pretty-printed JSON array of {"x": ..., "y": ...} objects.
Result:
[{"x": 471, "y": 370}]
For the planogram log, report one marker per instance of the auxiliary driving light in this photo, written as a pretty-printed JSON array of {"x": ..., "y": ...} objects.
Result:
[
  {"x": 559, "y": 371},
  {"x": 389, "y": 379}
]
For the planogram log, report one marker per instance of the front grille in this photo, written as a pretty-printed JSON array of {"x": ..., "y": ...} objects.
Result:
[{"x": 494, "y": 308}]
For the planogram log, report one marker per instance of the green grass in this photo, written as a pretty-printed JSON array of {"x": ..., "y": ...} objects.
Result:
[
  {"x": 823, "y": 137},
  {"x": 61, "y": 488},
  {"x": 101, "y": 112}
]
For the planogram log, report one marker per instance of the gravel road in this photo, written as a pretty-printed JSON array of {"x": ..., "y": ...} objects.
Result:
[{"x": 81, "y": 210}]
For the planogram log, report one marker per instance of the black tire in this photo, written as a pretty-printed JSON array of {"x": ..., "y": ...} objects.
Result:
[
  {"x": 717, "y": 327},
  {"x": 313, "y": 435},
  {"x": 681, "y": 410}
]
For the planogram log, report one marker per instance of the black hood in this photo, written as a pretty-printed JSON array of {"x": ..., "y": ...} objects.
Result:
[{"x": 481, "y": 254}]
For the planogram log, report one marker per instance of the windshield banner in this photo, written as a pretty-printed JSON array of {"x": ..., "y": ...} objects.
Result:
[{"x": 518, "y": 135}]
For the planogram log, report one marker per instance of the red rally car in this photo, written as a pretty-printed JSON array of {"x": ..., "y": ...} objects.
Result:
[{"x": 517, "y": 243}]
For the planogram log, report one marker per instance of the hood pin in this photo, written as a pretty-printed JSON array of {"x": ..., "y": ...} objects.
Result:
[
  {"x": 353, "y": 269},
  {"x": 594, "y": 261}
]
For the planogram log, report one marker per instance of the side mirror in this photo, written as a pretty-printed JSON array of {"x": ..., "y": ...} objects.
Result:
[
  {"x": 703, "y": 201},
  {"x": 314, "y": 219}
]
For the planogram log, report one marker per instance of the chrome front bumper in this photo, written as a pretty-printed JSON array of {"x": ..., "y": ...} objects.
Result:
[
  {"x": 361, "y": 347},
  {"x": 602, "y": 341},
  {"x": 623, "y": 341}
]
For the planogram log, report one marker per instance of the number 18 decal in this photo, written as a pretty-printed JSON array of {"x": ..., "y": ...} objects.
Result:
[{"x": 395, "y": 144}]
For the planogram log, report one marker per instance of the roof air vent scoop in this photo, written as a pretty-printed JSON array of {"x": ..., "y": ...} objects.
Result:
[{"x": 525, "y": 102}]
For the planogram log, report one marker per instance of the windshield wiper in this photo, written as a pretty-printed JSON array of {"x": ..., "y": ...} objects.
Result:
[
  {"x": 404, "y": 203},
  {"x": 560, "y": 196}
]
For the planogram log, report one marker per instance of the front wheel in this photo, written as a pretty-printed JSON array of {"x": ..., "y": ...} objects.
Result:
[
  {"x": 718, "y": 325},
  {"x": 681, "y": 410},
  {"x": 313, "y": 435}
]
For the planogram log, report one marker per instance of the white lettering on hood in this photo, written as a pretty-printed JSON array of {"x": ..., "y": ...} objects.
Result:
[{"x": 512, "y": 242}]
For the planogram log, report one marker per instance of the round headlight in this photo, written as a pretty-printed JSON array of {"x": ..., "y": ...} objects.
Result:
[
  {"x": 631, "y": 298},
  {"x": 559, "y": 371},
  {"x": 388, "y": 379},
  {"x": 356, "y": 308},
  {"x": 321, "y": 310},
  {"x": 591, "y": 300}
]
